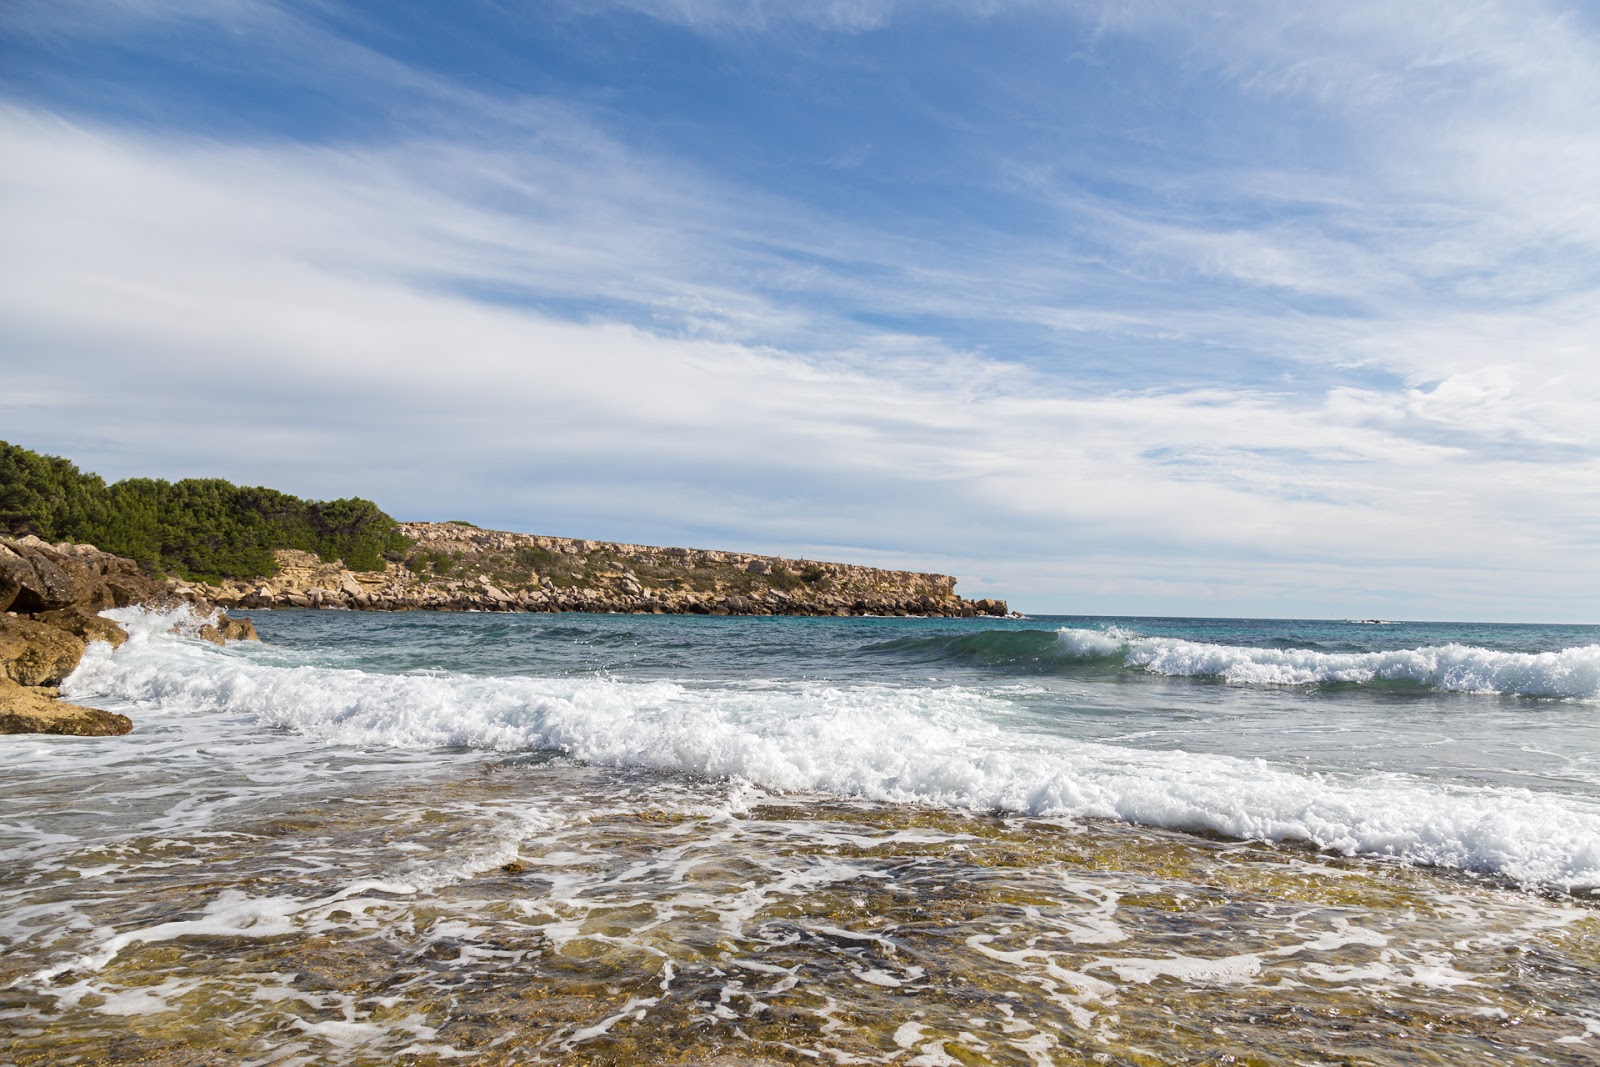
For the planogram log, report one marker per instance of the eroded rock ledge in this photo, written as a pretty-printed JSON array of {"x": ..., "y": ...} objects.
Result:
[
  {"x": 456, "y": 567},
  {"x": 50, "y": 597}
]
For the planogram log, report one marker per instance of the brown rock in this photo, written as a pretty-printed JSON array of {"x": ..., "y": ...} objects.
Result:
[
  {"x": 86, "y": 626},
  {"x": 14, "y": 570},
  {"x": 126, "y": 590},
  {"x": 29, "y": 710},
  {"x": 237, "y": 629},
  {"x": 35, "y": 653},
  {"x": 36, "y": 577},
  {"x": 45, "y": 580}
]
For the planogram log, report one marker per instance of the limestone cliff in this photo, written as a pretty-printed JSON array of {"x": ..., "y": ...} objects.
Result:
[{"x": 457, "y": 567}]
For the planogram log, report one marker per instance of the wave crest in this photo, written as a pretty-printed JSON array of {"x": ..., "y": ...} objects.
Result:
[
  {"x": 948, "y": 746},
  {"x": 1572, "y": 673}
]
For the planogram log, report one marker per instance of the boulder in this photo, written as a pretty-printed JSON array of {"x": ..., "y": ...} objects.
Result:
[
  {"x": 37, "y": 578},
  {"x": 26, "y": 710},
  {"x": 85, "y": 626},
  {"x": 14, "y": 571},
  {"x": 36, "y": 653},
  {"x": 237, "y": 629}
]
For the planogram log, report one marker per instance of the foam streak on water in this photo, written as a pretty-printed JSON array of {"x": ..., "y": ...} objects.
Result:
[{"x": 952, "y": 746}]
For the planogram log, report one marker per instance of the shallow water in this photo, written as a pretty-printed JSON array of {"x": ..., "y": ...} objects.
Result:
[{"x": 489, "y": 839}]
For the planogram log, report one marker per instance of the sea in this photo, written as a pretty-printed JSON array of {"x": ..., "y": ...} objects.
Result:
[{"x": 428, "y": 838}]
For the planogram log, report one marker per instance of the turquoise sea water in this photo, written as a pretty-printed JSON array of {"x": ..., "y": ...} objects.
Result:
[
  {"x": 568, "y": 838},
  {"x": 1446, "y": 704}
]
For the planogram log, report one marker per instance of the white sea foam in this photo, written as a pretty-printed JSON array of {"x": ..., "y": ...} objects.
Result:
[
  {"x": 1571, "y": 672},
  {"x": 947, "y": 746}
]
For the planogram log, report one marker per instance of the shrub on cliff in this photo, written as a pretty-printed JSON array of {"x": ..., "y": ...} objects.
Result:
[{"x": 197, "y": 527}]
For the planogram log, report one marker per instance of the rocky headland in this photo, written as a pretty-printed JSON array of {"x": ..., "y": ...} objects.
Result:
[
  {"x": 458, "y": 567},
  {"x": 51, "y": 596},
  {"x": 50, "y": 599}
]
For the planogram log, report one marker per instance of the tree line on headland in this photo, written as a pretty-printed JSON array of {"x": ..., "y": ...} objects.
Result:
[
  {"x": 219, "y": 544},
  {"x": 199, "y": 528},
  {"x": 72, "y": 545}
]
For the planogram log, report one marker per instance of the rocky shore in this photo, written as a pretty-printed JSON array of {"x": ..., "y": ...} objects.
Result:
[
  {"x": 50, "y": 597},
  {"x": 458, "y": 567}
]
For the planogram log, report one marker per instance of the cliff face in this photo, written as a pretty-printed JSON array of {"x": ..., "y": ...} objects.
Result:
[{"x": 457, "y": 567}]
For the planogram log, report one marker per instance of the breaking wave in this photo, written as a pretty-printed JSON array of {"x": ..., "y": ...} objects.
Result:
[
  {"x": 949, "y": 745},
  {"x": 1572, "y": 673}
]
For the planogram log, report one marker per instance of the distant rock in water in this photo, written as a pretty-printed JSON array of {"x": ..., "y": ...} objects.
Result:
[
  {"x": 457, "y": 567},
  {"x": 50, "y": 596}
]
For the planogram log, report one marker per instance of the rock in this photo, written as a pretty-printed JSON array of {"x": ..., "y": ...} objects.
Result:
[
  {"x": 14, "y": 571},
  {"x": 26, "y": 710},
  {"x": 34, "y": 577},
  {"x": 44, "y": 580},
  {"x": 36, "y": 653},
  {"x": 207, "y": 632},
  {"x": 84, "y": 626},
  {"x": 237, "y": 629}
]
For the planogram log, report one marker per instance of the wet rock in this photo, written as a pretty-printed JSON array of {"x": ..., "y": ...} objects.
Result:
[
  {"x": 36, "y": 653},
  {"x": 29, "y": 710},
  {"x": 85, "y": 626},
  {"x": 237, "y": 629}
]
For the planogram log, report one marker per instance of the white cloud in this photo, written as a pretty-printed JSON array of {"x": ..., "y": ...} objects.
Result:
[
  {"x": 286, "y": 317},
  {"x": 551, "y": 330},
  {"x": 721, "y": 16}
]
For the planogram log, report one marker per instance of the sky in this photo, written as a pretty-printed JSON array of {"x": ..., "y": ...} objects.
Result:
[{"x": 1136, "y": 308}]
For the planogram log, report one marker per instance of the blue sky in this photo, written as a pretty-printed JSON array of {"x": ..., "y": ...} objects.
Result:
[{"x": 1134, "y": 307}]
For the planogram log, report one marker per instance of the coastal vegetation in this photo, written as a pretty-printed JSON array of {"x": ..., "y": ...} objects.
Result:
[
  {"x": 221, "y": 544},
  {"x": 199, "y": 528}
]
